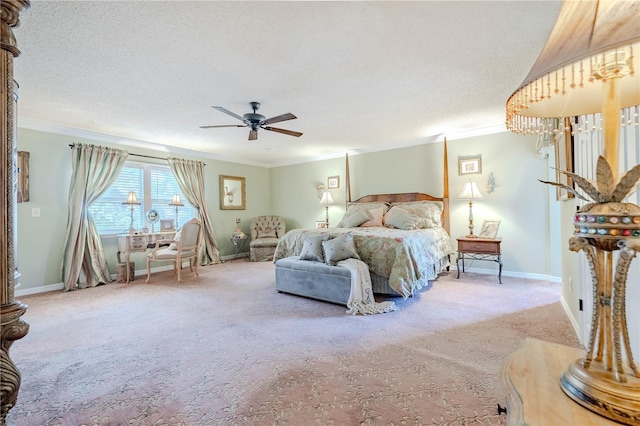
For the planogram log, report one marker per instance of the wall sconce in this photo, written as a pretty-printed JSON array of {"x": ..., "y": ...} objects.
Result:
[
  {"x": 470, "y": 192},
  {"x": 132, "y": 201},
  {"x": 320, "y": 187},
  {"x": 178, "y": 203},
  {"x": 491, "y": 183}
]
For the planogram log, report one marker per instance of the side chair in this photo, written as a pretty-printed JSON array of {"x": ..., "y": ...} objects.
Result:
[{"x": 185, "y": 247}]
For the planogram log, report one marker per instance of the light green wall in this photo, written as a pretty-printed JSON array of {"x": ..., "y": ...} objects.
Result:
[
  {"x": 40, "y": 240},
  {"x": 519, "y": 201}
]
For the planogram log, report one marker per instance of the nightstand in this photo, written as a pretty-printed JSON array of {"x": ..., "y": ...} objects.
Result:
[
  {"x": 479, "y": 249},
  {"x": 238, "y": 241}
]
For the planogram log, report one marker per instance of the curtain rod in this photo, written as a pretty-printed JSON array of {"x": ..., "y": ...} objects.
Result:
[{"x": 137, "y": 155}]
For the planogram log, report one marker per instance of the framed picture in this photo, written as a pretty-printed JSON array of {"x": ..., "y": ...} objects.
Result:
[
  {"x": 489, "y": 229},
  {"x": 23, "y": 176},
  {"x": 564, "y": 160},
  {"x": 321, "y": 224},
  {"x": 167, "y": 225},
  {"x": 232, "y": 193},
  {"x": 333, "y": 182},
  {"x": 469, "y": 165}
]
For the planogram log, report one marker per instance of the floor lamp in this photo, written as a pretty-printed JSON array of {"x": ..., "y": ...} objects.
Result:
[
  {"x": 326, "y": 199},
  {"x": 177, "y": 203},
  {"x": 591, "y": 64},
  {"x": 132, "y": 201}
]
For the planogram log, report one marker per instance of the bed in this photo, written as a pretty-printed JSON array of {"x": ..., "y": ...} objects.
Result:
[{"x": 401, "y": 259}]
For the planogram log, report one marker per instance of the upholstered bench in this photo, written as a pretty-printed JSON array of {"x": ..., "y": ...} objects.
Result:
[{"x": 313, "y": 279}]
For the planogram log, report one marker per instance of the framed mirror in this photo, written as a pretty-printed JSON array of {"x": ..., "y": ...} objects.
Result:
[
  {"x": 232, "y": 193},
  {"x": 23, "y": 176},
  {"x": 153, "y": 217}
]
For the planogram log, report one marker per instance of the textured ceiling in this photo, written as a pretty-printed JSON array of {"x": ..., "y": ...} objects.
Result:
[{"x": 360, "y": 76}]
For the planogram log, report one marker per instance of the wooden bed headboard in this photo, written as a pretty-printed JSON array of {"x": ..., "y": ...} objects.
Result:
[{"x": 410, "y": 196}]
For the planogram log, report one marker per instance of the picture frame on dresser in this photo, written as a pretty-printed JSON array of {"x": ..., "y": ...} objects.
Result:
[
  {"x": 489, "y": 229},
  {"x": 167, "y": 225}
]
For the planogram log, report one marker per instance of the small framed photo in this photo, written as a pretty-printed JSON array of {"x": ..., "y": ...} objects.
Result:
[
  {"x": 333, "y": 182},
  {"x": 489, "y": 229},
  {"x": 321, "y": 224},
  {"x": 167, "y": 225},
  {"x": 469, "y": 165}
]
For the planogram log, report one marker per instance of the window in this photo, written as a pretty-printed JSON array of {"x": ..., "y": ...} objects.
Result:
[{"x": 154, "y": 186}]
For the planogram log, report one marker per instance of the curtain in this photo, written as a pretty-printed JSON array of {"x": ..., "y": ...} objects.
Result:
[
  {"x": 94, "y": 169},
  {"x": 190, "y": 177}
]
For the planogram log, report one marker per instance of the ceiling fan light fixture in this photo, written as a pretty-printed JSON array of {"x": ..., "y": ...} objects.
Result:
[{"x": 255, "y": 121}]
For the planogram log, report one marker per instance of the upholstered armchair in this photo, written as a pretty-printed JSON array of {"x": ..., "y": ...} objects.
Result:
[
  {"x": 185, "y": 247},
  {"x": 266, "y": 232}
]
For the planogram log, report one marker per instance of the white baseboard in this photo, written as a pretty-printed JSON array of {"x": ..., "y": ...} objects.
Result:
[
  {"x": 572, "y": 319},
  {"x": 41, "y": 289},
  {"x": 233, "y": 256},
  {"x": 140, "y": 273},
  {"x": 528, "y": 275}
]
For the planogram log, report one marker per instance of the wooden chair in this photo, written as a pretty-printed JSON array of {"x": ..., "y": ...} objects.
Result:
[{"x": 185, "y": 247}]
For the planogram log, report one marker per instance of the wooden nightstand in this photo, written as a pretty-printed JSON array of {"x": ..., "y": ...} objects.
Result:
[{"x": 479, "y": 249}]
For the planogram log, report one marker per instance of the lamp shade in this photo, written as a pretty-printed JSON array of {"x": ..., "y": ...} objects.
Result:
[
  {"x": 470, "y": 191},
  {"x": 176, "y": 201},
  {"x": 327, "y": 198},
  {"x": 591, "y": 43},
  {"x": 132, "y": 200}
]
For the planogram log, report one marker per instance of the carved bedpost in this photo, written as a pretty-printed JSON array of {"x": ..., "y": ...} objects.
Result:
[{"x": 12, "y": 327}]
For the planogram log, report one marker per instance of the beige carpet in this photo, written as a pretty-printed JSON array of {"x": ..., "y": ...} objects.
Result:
[{"x": 227, "y": 349}]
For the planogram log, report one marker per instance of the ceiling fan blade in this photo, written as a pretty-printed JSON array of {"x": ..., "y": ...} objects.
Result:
[
  {"x": 223, "y": 125},
  {"x": 226, "y": 111},
  {"x": 286, "y": 132},
  {"x": 279, "y": 118},
  {"x": 253, "y": 135}
]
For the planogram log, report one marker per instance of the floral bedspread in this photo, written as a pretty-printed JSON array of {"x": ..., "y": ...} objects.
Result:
[{"x": 407, "y": 258}]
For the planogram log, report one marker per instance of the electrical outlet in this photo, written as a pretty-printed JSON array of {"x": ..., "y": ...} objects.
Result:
[{"x": 35, "y": 212}]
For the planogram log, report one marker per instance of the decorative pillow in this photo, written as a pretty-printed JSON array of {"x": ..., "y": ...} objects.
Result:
[
  {"x": 312, "y": 248},
  {"x": 353, "y": 208},
  {"x": 402, "y": 219},
  {"x": 356, "y": 219},
  {"x": 267, "y": 232},
  {"x": 431, "y": 211},
  {"x": 376, "y": 218},
  {"x": 340, "y": 248}
]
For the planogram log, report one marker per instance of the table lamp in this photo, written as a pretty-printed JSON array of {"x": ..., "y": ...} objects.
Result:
[
  {"x": 326, "y": 199},
  {"x": 178, "y": 203},
  {"x": 470, "y": 192},
  {"x": 132, "y": 201},
  {"x": 591, "y": 65}
]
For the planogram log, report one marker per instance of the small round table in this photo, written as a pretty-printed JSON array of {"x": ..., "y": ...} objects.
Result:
[{"x": 238, "y": 241}]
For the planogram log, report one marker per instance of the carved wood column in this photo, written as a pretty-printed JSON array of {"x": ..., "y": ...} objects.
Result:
[{"x": 12, "y": 327}]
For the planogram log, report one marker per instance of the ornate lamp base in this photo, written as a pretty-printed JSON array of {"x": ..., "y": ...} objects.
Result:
[
  {"x": 607, "y": 380},
  {"x": 598, "y": 390}
]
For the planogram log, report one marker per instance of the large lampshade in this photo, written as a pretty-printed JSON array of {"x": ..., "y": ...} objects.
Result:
[{"x": 592, "y": 42}]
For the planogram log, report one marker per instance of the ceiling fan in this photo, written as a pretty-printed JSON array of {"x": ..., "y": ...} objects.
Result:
[{"x": 255, "y": 121}]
